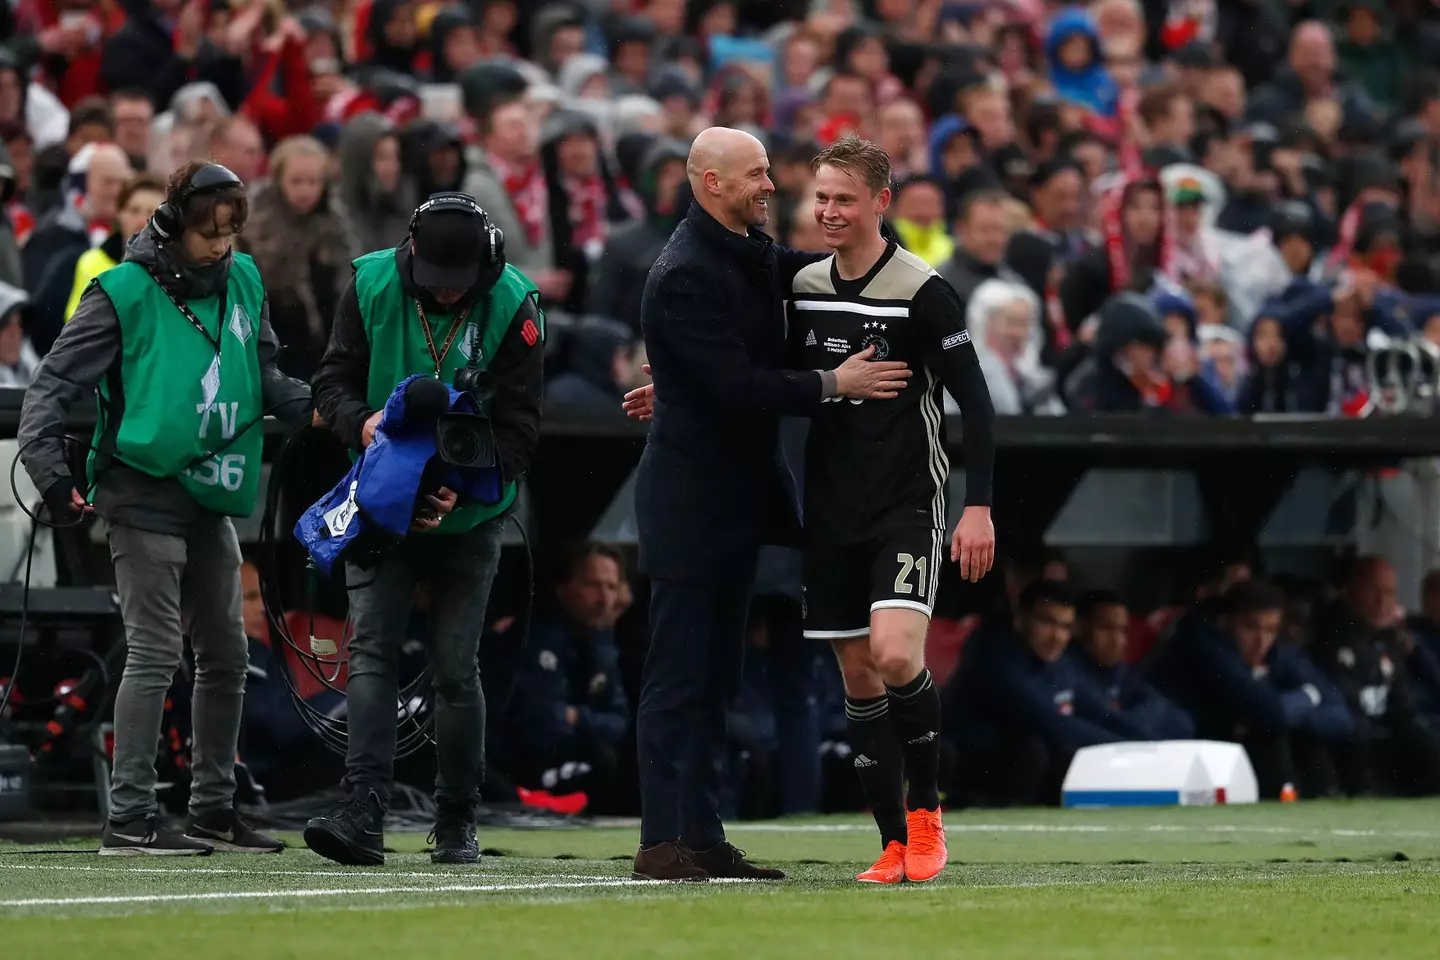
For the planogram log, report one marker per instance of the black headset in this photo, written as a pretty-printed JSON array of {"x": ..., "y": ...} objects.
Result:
[
  {"x": 168, "y": 219},
  {"x": 464, "y": 203}
]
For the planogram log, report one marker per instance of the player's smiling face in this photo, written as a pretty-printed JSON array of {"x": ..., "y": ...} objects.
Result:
[{"x": 848, "y": 213}]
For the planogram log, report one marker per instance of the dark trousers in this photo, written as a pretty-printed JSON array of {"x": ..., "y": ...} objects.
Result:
[
  {"x": 460, "y": 569},
  {"x": 692, "y": 673},
  {"x": 794, "y": 685}
]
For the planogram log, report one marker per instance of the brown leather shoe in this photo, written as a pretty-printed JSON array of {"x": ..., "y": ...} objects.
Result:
[
  {"x": 668, "y": 861},
  {"x": 728, "y": 861}
]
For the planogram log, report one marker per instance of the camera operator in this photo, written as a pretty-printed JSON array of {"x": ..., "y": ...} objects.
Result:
[
  {"x": 176, "y": 344},
  {"x": 442, "y": 302}
]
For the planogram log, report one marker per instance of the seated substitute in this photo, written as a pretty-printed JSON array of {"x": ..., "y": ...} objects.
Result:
[
  {"x": 1241, "y": 686},
  {"x": 1022, "y": 708},
  {"x": 568, "y": 715},
  {"x": 1102, "y": 629}
]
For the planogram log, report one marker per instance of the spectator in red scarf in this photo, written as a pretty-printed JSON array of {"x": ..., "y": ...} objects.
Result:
[
  {"x": 583, "y": 200},
  {"x": 1128, "y": 264},
  {"x": 506, "y": 179}
]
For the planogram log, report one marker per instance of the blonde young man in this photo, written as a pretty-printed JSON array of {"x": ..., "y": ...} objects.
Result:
[{"x": 875, "y": 476}]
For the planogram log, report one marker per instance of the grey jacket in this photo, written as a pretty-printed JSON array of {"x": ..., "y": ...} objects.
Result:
[
  {"x": 482, "y": 184},
  {"x": 89, "y": 350}
]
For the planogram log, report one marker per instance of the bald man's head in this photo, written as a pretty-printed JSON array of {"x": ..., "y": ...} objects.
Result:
[
  {"x": 104, "y": 179},
  {"x": 1312, "y": 54},
  {"x": 729, "y": 175},
  {"x": 1372, "y": 590}
]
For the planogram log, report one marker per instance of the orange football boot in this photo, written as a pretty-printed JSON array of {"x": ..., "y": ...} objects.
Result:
[
  {"x": 925, "y": 854},
  {"x": 890, "y": 868}
]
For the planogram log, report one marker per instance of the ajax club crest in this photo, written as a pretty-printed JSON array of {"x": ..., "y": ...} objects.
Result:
[{"x": 874, "y": 331}]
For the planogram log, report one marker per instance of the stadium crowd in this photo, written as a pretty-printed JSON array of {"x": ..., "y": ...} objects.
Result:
[
  {"x": 1205, "y": 207},
  {"x": 1258, "y": 172}
]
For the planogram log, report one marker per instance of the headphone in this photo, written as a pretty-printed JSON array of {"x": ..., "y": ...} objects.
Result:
[
  {"x": 494, "y": 256},
  {"x": 168, "y": 219}
]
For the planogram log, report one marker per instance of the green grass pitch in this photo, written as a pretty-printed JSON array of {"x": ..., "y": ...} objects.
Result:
[{"x": 1301, "y": 881}]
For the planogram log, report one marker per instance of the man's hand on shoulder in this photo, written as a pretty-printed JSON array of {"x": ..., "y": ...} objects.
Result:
[
  {"x": 861, "y": 378},
  {"x": 640, "y": 403},
  {"x": 973, "y": 543}
]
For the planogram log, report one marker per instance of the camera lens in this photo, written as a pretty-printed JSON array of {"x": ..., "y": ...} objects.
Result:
[{"x": 459, "y": 445}]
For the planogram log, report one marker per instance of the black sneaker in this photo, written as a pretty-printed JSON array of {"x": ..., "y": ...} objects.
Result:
[
  {"x": 148, "y": 837},
  {"x": 353, "y": 833},
  {"x": 454, "y": 838},
  {"x": 228, "y": 832}
]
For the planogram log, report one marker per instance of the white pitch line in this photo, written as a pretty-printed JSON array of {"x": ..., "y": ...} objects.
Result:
[
  {"x": 527, "y": 887},
  {"x": 284, "y": 894},
  {"x": 235, "y": 871}
]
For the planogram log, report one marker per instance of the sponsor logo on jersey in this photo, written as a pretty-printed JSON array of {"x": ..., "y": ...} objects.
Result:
[
  {"x": 955, "y": 339},
  {"x": 810, "y": 340}
]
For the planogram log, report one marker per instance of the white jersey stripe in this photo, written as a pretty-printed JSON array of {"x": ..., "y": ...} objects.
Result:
[
  {"x": 851, "y": 306},
  {"x": 938, "y": 462}
]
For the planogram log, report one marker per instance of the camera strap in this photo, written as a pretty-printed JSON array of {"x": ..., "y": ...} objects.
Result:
[
  {"x": 455, "y": 327},
  {"x": 188, "y": 314}
]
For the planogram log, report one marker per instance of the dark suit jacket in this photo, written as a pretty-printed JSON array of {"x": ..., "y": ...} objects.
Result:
[{"x": 713, "y": 483}]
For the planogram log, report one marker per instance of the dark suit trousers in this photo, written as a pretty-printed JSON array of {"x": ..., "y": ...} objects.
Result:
[{"x": 692, "y": 673}]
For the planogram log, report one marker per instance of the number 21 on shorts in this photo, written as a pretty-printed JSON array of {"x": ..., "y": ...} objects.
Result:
[{"x": 908, "y": 564}]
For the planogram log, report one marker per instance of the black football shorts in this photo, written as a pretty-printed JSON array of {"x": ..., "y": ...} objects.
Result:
[{"x": 845, "y": 582}]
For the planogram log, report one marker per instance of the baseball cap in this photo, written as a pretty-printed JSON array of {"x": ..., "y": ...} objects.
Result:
[
  {"x": 448, "y": 249},
  {"x": 1187, "y": 190}
]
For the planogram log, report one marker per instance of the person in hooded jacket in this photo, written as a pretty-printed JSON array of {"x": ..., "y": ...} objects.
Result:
[
  {"x": 630, "y": 251},
  {"x": 1093, "y": 278},
  {"x": 1276, "y": 381},
  {"x": 172, "y": 459},
  {"x": 454, "y": 44},
  {"x": 434, "y": 154},
  {"x": 584, "y": 199},
  {"x": 392, "y": 36},
  {"x": 373, "y": 186},
  {"x": 595, "y": 371},
  {"x": 1077, "y": 67}
]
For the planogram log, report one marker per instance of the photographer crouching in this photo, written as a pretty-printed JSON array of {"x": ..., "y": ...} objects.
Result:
[
  {"x": 442, "y": 304},
  {"x": 176, "y": 345}
]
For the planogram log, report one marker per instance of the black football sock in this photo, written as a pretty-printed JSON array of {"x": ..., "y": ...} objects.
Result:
[
  {"x": 879, "y": 764},
  {"x": 915, "y": 714}
]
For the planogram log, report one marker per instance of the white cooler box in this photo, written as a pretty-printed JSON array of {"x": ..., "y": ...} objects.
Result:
[{"x": 1160, "y": 774}]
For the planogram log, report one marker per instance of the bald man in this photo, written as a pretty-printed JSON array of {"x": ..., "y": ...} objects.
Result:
[
  {"x": 713, "y": 485},
  {"x": 1308, "y": 81},
  {"x": 1362, "y": 643},
  {"x": 98, "y": 172}
]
